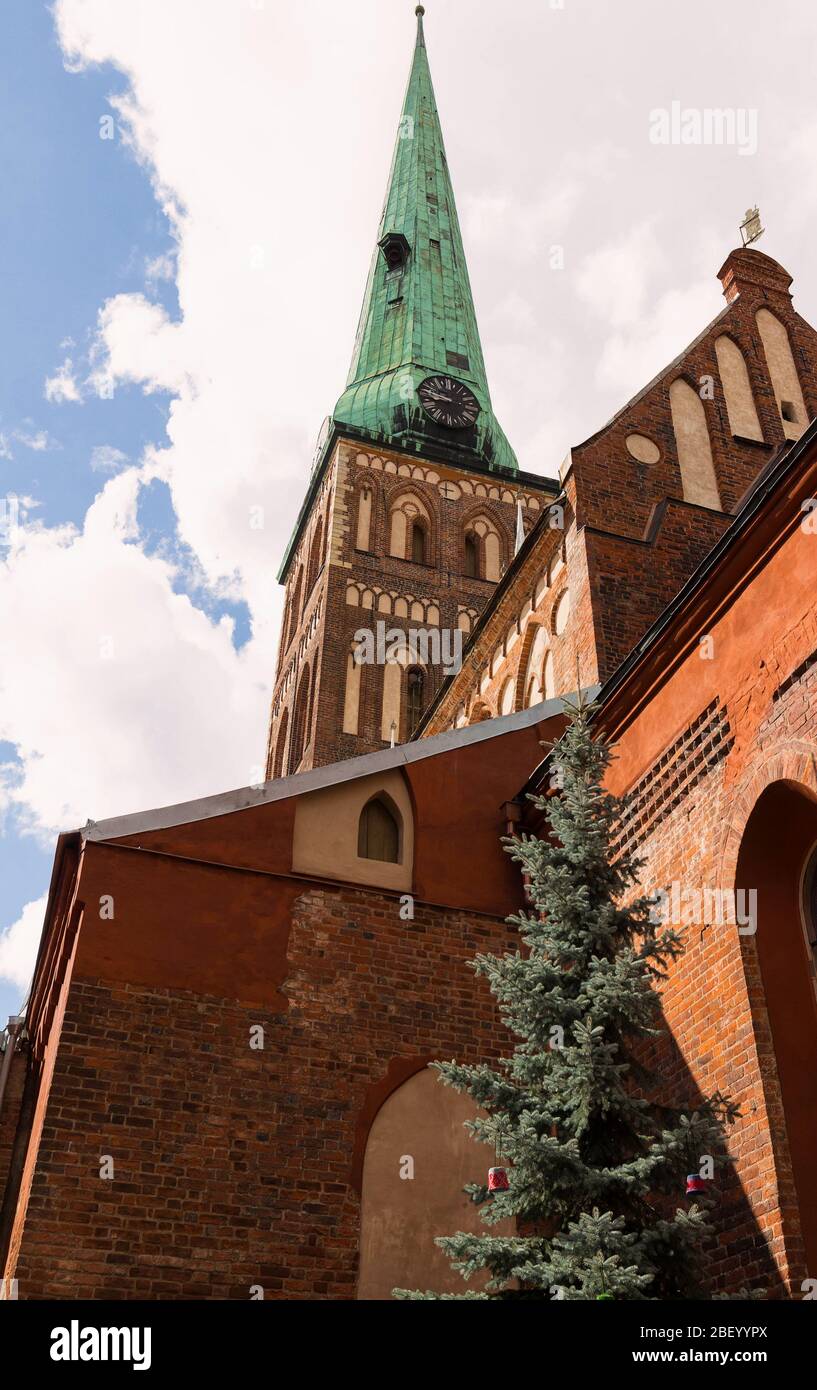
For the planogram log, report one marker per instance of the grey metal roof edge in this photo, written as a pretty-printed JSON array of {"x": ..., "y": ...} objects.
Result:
[{"x": 244, "y": 798}]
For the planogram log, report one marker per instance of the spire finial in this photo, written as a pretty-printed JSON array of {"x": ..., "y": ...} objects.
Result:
[{"x": 420, "y": 11}]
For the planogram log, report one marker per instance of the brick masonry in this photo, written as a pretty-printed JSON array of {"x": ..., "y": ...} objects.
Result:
[{"x": 236, "y": 1167}]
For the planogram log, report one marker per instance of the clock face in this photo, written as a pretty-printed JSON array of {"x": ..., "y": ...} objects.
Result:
[{"x": 448, "y": 402}]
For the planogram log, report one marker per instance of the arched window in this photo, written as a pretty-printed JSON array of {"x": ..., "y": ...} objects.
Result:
[
  {"x": 280, "y": 746},
  {"x": 418, "y": 544},
  {"x": 506, "y": 701},
  {"x": 364, "y": 519},
  {"x": 406, "y": 514},
  {"x": 561, "y": 613},
  {"x": 299, "y": 723},
  {"x": 378, "y": 832},
  {"x": 483, "y": 550},
  {"x": 415, "y": 698},
  {"x": 534, "y": 691},
  {"x": 295, "y": 611},
  {"x": 315, "y": 558}
]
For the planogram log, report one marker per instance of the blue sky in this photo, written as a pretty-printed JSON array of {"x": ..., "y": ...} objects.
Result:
[
  {"x": 178, "y": 306},
  {"x": 75, "y": 229},
  {"x": 81, "y": 224}
]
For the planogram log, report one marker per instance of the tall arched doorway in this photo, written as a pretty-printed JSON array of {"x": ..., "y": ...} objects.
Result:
[
  {"x": 777, "y": 859},
  {"x": 419, "y": 1156}
]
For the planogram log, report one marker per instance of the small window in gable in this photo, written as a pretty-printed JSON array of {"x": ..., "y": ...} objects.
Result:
[
  {"x": 788, "y": 411},
  {"x": 378, "y": 835}
]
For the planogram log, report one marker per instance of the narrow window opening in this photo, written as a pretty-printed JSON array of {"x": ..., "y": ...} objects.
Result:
[
  {"x": 418, "y": 544},
  {"x": 471, "y": 557},
  {"x": 415, "y": 699},
  {"x": 378, "y": 834},
  {"x": 788, "y": 411}
]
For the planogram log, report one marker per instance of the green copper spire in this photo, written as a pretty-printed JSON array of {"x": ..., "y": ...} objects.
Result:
[{"x": 418, "y": 316}]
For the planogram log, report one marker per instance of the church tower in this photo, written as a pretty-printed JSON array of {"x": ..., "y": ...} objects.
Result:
[{"x": 413, "y": 508}]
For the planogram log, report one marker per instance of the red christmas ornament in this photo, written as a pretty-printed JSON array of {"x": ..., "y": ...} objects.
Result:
[
  {"x": 695, "y": 1184},
  {"x": 497, "y": 1180}
]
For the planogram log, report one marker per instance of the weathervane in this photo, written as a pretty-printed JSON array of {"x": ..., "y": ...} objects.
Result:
[{"x": 750, "y": 228}]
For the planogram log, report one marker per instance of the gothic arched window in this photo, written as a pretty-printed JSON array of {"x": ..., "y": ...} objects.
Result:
[
  {"x": 378, "y": 834},
  {"x": 406, "y": 514},
  {"x": 471, "y": 556},
  {"x": 295, "y": 611},
  {"x": 415, "y": 698},
  {"x": 299, "y": 723},
  {"x": 315, "y": 558}
]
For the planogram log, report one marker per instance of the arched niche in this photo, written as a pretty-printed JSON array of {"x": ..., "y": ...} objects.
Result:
[
  {"x": 783, "y": 373},
  {"x": 325, "y": 837},
  {"x": 351, "y": 698},
  {"x": 365, "y": 497},
  {"x": 776, "y": 850},
  {"x": 422, "y": 1121},
  {"x": 695, "y": 461},
  {"x": 737, "y": 389}
]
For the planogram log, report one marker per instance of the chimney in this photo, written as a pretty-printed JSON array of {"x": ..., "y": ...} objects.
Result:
[{"x": 745, "y": 269}]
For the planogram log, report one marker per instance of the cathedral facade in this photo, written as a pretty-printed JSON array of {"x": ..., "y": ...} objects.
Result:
[{"x": 224, "y": 1060}]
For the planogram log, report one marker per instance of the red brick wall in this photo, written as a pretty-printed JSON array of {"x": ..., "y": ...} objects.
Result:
[
  {"x": 632, "y": 541},
  {"x": 233, "y": 1166},
  {"x": 723, "y": 1034},
  {"x": 326, "y": 643},
  {"x": 10, "y": 1115}
]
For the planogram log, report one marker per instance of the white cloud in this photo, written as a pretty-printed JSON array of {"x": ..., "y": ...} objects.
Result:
[
  {"x": 154, "y": 705},
  {"x": 106, "y": 459},
  {"x": 631, "y": 357},
  {"x": 271, "y": 249},
  {"x": 160, "y": 268},
  {"x": 615, "y": 280},
  {"x": 19, "y": 942},
  {"x": 138, "y": 343},
  {"x": 62, "y": 386},
  {"x": 40, "y": 441}
]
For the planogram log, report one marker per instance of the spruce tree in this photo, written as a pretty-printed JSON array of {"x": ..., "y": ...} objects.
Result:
[{"x": 596, "y": 1157}]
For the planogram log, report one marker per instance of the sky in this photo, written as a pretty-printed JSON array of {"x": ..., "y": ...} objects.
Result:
[{"x": 192, "y": 191}]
